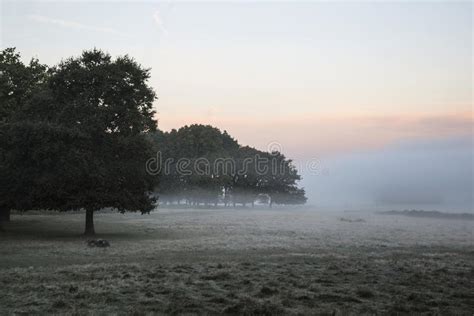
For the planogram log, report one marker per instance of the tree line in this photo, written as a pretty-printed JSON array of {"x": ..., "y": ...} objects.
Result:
[
  {"x": 80, "y": 135},
  {"x": 216, "y": 169}
]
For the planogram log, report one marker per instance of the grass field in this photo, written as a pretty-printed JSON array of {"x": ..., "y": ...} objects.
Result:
[{"x": 243, "y": 261}]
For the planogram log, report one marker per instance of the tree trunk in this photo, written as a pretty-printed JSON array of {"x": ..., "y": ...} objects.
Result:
[
  {"x": 89, "y": 223},
  {"x": 4, "y": 214}
]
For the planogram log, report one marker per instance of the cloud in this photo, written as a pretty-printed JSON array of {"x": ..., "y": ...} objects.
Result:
[
  {"x": 72, "y": 24},
  {"x": 159, "y": 22}
]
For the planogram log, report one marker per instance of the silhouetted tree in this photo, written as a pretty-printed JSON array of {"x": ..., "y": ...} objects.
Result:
[
  {"x": 18, "y": 84},
  {"x": 252, "y": 173},
  {"x": 191, "y": 143},
  {"x": 279, "y": 181},
  {"x": 80, "y": 141}
]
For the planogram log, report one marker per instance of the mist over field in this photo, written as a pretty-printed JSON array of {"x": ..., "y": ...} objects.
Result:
[{"x": 423, "y": 174}]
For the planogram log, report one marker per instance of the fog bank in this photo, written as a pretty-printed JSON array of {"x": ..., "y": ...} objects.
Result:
[{"x": 428, "y": 174}]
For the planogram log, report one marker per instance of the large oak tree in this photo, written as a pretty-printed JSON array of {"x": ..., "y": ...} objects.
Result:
[
  {"x": 80, "y": 142},
  {"x": 19, "y": 82}
]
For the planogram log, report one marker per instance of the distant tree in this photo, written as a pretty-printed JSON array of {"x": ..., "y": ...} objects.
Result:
[
  {"x": 83, "y": 138},
  {"x": 253, "y": 173},
  {"x": 291, "y": 196},
  {"x": 280, "y": 180},
  {"x": 246, "y": 181},
  {"x": 191, "y": 143}
]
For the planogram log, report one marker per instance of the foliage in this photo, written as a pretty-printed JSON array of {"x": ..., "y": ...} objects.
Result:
[
  {"x": 18, "y": 82},
  {"x": 253, "y": 173},
  {"x": 78, "y": 139}
]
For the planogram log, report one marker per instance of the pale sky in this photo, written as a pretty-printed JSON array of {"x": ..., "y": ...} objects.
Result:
[{"x": 324, "y": 79}]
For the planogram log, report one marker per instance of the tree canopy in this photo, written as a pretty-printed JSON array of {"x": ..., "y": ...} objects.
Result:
[
  {"x": 220, "y": 170},
  {"x": 18, "y": 84},
  {"x": 78, "y": 141}
]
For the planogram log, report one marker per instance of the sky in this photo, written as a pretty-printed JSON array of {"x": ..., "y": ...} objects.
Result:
[{"x": 377, "y": 94}]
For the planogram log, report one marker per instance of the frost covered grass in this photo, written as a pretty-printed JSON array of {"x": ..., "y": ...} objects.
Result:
[{"x": 244, "y": 261}]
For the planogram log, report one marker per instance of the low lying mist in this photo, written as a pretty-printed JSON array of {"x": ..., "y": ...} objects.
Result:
[{"x": 429, "y": 174}]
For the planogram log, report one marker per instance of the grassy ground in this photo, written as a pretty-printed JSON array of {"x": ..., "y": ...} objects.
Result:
[{"x": 237, "y": 262}]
